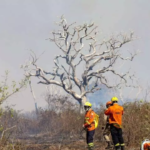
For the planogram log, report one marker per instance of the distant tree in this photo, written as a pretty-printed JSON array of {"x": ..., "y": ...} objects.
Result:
[{"x": 83, "y": 60}]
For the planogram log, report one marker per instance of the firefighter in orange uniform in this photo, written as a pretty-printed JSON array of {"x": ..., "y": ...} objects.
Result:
[
  {"x": 89, "y": 125},
  {"x": 115, "y": 113},
  {"x": 147, "y": 146}
]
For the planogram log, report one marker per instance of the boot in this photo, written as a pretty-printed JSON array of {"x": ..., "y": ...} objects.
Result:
[
  {"x": 122, "y": 148},
  {"x": 117, "y": 148},
  {"x": 91, "y": 148},
  {"x": 109, "y": 145}
]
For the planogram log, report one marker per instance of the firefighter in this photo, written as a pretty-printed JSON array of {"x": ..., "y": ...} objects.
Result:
[
  {"x": 115, "y": 113},
  {"x": 106, "y": 131},
  {"x": 89, "y": 125},
  {"x": 147, "y": 146}
]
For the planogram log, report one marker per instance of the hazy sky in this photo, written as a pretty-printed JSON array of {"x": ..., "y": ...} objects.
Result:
[{"x": 25, "y": 25}]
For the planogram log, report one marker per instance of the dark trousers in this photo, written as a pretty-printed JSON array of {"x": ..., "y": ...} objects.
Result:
[
  {"x": 89, "y": 136},
  {"x": 116, "y": 134}
]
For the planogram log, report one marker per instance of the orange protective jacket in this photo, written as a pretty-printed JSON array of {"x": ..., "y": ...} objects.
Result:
[
  {"x": 89, "y": 120},
  {"x": 115, "y": 113},
  {"x": 146, "y": 146}
]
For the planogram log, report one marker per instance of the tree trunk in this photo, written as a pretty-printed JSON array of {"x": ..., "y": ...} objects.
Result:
[{"x": 83, "y": 100}]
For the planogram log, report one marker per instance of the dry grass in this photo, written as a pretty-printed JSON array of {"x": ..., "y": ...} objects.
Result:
[{"x": 53, "y": 130}]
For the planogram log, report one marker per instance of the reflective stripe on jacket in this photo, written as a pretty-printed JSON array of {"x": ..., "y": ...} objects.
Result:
[
  {"x": 115, "y": 113},
  {"x": 89, "y": 120}
]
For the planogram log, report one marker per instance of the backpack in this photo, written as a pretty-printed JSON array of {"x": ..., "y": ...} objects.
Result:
[{"x": 96, "y": 120}]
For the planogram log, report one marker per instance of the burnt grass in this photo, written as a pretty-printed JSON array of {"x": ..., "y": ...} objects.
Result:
[
  {"x": 62, "y": 131},
  {"x": 45, "y": 142}
]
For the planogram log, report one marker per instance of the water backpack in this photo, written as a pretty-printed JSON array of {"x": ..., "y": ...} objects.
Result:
[{"x": 96, "y": 120}]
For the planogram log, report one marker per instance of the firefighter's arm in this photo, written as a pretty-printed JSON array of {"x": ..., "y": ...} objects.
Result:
[
  {"x": 89, "y": 120},
  {"x": 107, "y": 111},
  {"x": 86, "y": 123}
]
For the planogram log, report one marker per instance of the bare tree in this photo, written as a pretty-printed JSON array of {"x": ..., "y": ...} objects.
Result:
[{"x": 79, "y": 46}]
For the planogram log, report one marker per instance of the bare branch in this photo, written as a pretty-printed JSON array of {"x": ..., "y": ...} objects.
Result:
[
  {"x": 98, "y": 57},
  {"x": 6, "y": 131}
]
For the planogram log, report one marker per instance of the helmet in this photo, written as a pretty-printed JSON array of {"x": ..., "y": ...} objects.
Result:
[
  {"x": 108, "y": 103},
  {"x": 114, "y": 99},
  {"x": 88, "y": 104}
]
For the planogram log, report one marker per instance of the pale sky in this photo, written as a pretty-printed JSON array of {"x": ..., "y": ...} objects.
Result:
[{"x": 25, "y": 25}]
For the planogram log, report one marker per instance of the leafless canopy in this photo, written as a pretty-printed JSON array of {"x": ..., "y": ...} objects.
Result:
[{"x": 79, "y": 46}]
